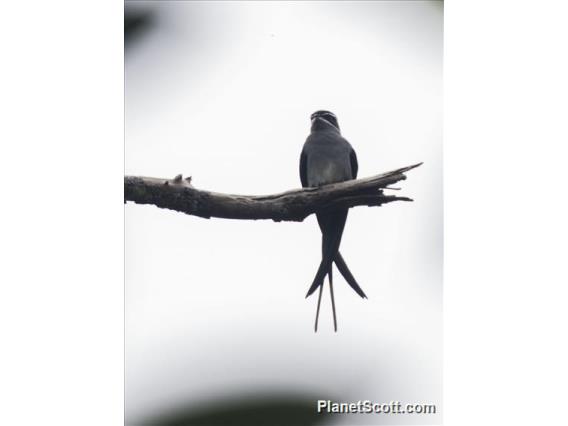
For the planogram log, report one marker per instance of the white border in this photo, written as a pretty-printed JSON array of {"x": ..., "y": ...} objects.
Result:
[
  {"x": 505, "y": 177},
  {"x": 61, "y": 307},
  {"x": 505, "y": 83}
]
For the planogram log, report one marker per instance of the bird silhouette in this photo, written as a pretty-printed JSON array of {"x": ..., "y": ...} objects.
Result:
[{"x": 327, "y": 158}]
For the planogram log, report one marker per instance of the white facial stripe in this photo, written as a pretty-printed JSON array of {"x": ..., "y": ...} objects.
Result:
[
  {"x": 328, "y": 122},
  {"x": 331, "y": 114}
]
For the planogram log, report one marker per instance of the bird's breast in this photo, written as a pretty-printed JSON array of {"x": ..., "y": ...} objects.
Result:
[{"x": 324, "y": 170}]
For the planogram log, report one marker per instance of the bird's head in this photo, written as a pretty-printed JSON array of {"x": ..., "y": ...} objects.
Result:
[{"x": 322, "y": 120}]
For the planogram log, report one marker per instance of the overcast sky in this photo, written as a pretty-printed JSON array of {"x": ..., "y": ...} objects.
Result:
[{"x": 223, "y": 92}]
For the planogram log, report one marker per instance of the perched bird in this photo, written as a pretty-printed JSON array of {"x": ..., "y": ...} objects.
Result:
[{"x": 328, "y": 158}]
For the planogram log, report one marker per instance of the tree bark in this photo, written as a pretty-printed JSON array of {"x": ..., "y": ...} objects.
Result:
[{"x": 178, "y": 194}]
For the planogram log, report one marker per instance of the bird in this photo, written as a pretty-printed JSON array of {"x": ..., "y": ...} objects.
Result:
[{"x": 327, "y": 157}]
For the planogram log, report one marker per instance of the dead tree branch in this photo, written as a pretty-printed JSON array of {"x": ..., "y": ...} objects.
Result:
[{"x": 179, "y": 195}]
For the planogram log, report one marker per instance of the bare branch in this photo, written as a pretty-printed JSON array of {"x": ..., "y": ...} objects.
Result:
[{"x": 178, "y": 194}]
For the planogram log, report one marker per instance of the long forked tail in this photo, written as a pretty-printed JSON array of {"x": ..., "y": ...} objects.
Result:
[
  {"x": 318, "y": 309},
  {"x": 332, "y": 299},
  {"x": 332, "y": 225},
  {"x": 330, "y": 276},
  {"x": 342, "y": 266}
]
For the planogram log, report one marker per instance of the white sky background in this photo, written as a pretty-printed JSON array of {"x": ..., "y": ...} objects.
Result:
[{"x": 214, "y": 308}]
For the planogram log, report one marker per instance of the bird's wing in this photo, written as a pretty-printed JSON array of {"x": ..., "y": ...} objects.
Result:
[
  {"x": 354, "y": 164},
  {"x": 303, "y": 169}
]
